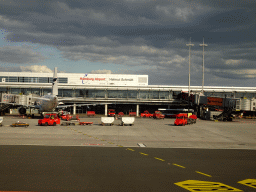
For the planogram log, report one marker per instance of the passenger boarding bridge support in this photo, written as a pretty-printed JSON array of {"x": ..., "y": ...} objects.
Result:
[
  {"x": 106, "y": 109},
  {"x": 137, "y": 110},
  {"x": 74, "y": 109}
]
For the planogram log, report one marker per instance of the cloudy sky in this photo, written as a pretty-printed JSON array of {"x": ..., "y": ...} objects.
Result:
[{"x": 132, "y": 37}]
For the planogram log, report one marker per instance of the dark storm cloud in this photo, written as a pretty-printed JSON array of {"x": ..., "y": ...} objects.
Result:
[
  {"x": 20, "y": 55},
  {"x": 152, "y": 34}
]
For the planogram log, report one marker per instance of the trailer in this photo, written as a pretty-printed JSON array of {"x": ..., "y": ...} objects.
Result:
[
  {"x": 127, "y": 121},
  {"x": 91, "y": 113},
  {"x": 20, "y": 124},
  {"x": 107, "y": 121},
  {"x": 68, "y": 123},
  {"x": 85, "y": 123}
]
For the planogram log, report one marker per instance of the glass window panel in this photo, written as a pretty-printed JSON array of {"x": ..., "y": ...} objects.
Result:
[
  {"x": 99, "y": 93},
  {"x": 13, "y": 79},
  {"x": 43, "y": 79},
  {"x": 46, "y": 91},
  {"x": 67, "y": 92},
  {"x": 146, "y": 94},
  {"x": 117, "y": 94},
  {"x": 62, "y": 80},
  {"x": 35, "y": 91},
  {"x": 25, "y": 91},
  {"x": 155, "y": 94},
  {"x": 164, "y": 94},
  {"x": 3, "y": 89},
  {"x": 176, "y": 94},
  {"x": 15, "y": 90},
  {"x": 77, "y": 93},
  {"x": 132, "y": 94}
]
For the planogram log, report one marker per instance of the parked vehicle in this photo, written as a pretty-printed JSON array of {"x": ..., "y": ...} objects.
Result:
[
  {"x": 111, "y": 113},
  {"x": 64, "y": 115},
  {"x": 91, "y": 113},
  {"x": 20, "y": 124},
  {"x": 132, "y": 114},
  {"x": 182, "y": 119},
  {"x": 146, "y": 114},
  {"x": 120, "y": 114},
  {"x": 49, "y": 119},
  {"x": 158, "y": 115},
  {"x": 73, "y": 118}
]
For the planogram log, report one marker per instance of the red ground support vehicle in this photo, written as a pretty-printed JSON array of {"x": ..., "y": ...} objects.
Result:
[
  {"x": 120, "y": 114},
  {"x": 132, "y": 114},
  {"x": 182, "y": 119},
  {"x": 49, "y": 119},
  {"x": 64, "y": 115},
  {"x": 158, "y": 115},
  {"x": 111, "y": 113},
  {"x": 73, "y": 118},
  {"x": 91, "y": 113},
  {"x": 146, "y": 114}
]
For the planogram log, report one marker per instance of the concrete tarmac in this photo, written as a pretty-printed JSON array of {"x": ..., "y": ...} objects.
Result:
[
  {"x": 152, "y": 155},
  {"x": 239, "y": 134}
]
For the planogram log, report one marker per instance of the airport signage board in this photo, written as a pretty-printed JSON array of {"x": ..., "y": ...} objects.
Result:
[{"x": 112, "y": 79}]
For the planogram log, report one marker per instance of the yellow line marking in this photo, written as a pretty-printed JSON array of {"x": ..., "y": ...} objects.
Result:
[
  {"x": 178, "y": 165},
  {"x": 130, "y": 149},
  {"x": 203, "y": 174},
  {"x": 79, "y": 132},
  {"x": 248, "y": 182},
  {"x": 85, "y": 134},
  {"x": 159, "y": 159},
  {"x": 195, "y": 185},
  {"x": 143, "y": 153},
  {"x": 119, "y": 145},
  {"x": 103, "y": 140}
]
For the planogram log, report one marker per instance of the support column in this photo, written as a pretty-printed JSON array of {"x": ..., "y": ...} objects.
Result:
[
  {"x": 137, "y": 110},
  {"x": 106, "y": 109},
  {"x": 74, "y": 109}
]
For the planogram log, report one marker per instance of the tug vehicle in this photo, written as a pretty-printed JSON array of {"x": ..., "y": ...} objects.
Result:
[
  {"x": 158, "y": 115},
  {"x": 182, "y": 119},
  {"x": 146, "y": 114},
  {"x": 111, "y": 113},
  {"x": 49, "y": 119}
]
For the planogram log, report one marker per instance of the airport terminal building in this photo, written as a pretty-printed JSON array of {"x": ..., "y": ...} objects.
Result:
[{"x": 124, "y": 92}]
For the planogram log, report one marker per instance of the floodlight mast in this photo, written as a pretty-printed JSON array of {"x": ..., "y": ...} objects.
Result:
[
  {"x": 189, "y": 45},
  {"x": 203, "y": 45}
]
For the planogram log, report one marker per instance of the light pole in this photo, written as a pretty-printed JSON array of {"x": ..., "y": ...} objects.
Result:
[
  {"x": 189, "y": 45},
  {"x": 203, "y": 45}
]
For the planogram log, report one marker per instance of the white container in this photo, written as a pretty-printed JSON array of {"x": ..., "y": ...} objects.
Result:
[
  {"x": 107, "y": 120},
  {"x": 246, "y": 104},
  {"x": 127, "y": 120}
]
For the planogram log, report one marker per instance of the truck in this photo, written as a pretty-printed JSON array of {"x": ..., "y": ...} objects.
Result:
[
  {"x": 158, "y": 115},
  {"x": 111, "y": 113},
  {"x": 49, "y": 119},
  {"x": 146, "y": 114},
  {"x": 183, "y": 119}
]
